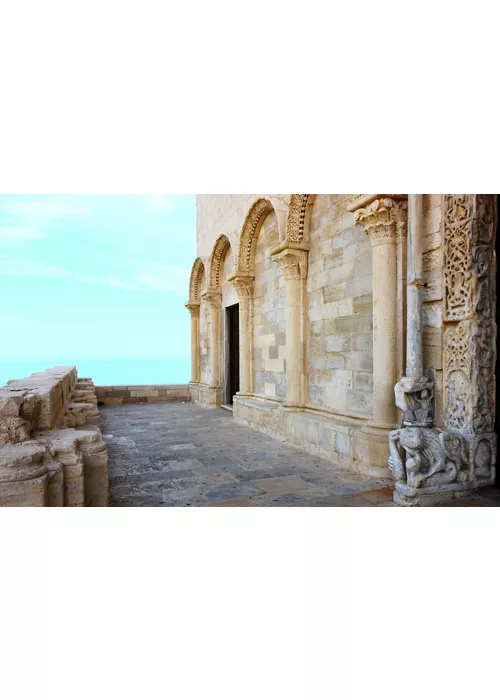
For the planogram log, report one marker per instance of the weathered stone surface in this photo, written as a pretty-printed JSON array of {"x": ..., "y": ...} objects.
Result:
[{"x": 44, "y": 466}]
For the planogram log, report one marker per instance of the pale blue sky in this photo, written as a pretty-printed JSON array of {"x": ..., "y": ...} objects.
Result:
[{"x": 95, "y": 276}]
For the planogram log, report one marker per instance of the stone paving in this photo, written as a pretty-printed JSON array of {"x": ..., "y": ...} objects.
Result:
[{"x": 175, "y": 454}]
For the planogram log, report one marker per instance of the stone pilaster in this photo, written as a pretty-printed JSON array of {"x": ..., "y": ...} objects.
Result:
[
  {"x": 244, "y": 284},
  {"x": 194, "y": 310},
  {"x": 384, "y": 219},
  {"x": 294, "y": 262},
  {"x": 213, "y": 297}
]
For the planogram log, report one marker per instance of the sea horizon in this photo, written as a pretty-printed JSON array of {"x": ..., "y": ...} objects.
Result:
[{"x": 105, "y": 371}]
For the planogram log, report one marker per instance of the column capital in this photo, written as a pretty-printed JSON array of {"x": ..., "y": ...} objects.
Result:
[
  {"x": 293, "y": 260},
  {"x": 213, "y": 297},
  {"x": 384, "y": 218},
  {"x": 194, "y": 308},
  {"x": 244, "y": 284}
]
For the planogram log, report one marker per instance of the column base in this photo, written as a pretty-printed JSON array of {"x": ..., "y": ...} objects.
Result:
[
  {"x": 206, "y": 396},
  {"x": 371, "y": 450}
]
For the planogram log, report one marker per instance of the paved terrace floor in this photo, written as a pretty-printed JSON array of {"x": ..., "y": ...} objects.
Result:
[{"x": 168, "y": 455}]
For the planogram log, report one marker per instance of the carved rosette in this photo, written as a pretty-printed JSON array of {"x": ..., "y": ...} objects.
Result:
[
  {"x": 385, "y": 220},
  {"x": 293, "y": 263}
]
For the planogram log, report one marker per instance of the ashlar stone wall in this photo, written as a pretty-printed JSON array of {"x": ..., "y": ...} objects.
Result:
[
  {"x": 269, "y": 316},
  {"x": 339, "y": 310}
]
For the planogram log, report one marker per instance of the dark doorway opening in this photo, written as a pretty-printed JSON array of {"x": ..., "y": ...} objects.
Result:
[
  {"x": 497, "y": 373},
  {"x": 233, "y": 352}
]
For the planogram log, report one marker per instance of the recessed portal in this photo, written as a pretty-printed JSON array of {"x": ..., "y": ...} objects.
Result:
[{"x": 232, "y": 352}]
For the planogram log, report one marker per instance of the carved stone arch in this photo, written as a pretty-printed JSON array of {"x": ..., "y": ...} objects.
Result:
[
  {"x": 197, "y": 273},
  {"x": 299, "y": 215},
  {"x": 219, "y": 252},
  {"x": 249, "y": 233}
]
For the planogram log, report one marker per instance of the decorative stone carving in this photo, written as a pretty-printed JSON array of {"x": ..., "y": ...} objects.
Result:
[
  {"x": 213, "y": 297},
  {"x": 433, "y": 463},
  {"x": 194, "y": 309},
  {"x": 219, "y": 252},
  {"x": 293, "y": 263},
  {"x": 197, "y": 274},
  {"x": 433, "y": 456},
  {"x": 244, "y": 285},
  {"x": 255, "y": 218},
  {"x": 415, "y": 398},
  {"x": 429, "y": 463},
  {"x": 384, "y": 220},
  {"x": 295, "y": 228}
]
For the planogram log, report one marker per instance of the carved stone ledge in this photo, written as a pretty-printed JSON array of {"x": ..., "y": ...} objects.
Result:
[{"x": 363, "y": 200}]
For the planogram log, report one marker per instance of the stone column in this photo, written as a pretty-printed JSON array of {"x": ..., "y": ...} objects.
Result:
[
  {"x": 214, "y": 298},
  {"x": 194, "y": 310},
  {"x": 244, "y": 285},
  {"x": 383, "y": 220},
  {"x": 414, "y": 393},
  {"x": 415, "y": 352},
  {"x": 294, "y": 261}
]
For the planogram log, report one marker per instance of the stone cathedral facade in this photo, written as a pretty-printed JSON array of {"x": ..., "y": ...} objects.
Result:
[{"x": 361, "y": 328}]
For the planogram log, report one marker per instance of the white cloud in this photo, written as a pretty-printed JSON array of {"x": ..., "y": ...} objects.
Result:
[
  {"x": 115, "y": 282},
  {"x": 166, "y": 278},
  {"x": 159, "y": 202},
  {"x": 29, "y": 268},
  {"x": 28, "y": 220},
  {"x": 159, "y": 278},
  {"x": 20, "y": 233},
  {"x": 42, "y": 213}
]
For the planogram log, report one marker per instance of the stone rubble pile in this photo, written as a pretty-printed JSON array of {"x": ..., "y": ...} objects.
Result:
[{"x": 51, "y": 448}]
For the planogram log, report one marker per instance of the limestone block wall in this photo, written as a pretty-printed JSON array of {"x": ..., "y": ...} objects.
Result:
[
  {"x": 151, "y": 393},
  {"x": 51, "y": 448},
  {"x": 225, "y": 213},
  {"x": 339, "y": 310},
  {"x": 269, "y": 317}
]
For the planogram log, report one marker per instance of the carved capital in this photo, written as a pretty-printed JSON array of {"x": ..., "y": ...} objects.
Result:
[
  {"x": 244, "y": 285},
  {"x": 213, "y": 297},
  {"x": 193, "y": 308},
  {"x": 293, "y": 262},
  {"x": 385, "y": 220}
]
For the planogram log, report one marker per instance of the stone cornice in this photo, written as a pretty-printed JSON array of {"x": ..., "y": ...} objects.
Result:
[{"x": 363, "y": 200}]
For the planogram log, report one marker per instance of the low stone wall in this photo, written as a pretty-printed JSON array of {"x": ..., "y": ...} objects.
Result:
[
  {"x": 51, "y": 448},
  {"x": 338, "y": 439},
  {"x": 150, "y": 393}
]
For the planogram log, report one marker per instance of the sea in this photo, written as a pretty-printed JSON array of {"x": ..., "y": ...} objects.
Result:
[{"x": 105, "y": 371}]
